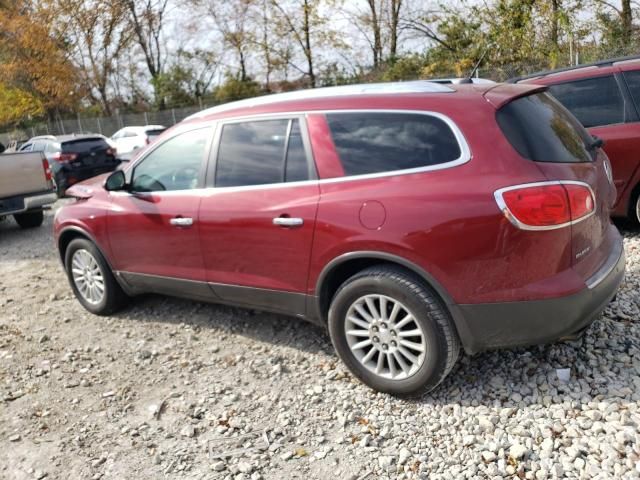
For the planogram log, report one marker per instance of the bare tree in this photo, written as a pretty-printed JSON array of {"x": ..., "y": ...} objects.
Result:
[
  {"x": 624, "y": 13},
  {"x": 395, "y": 10},
  {"x": 375, "y": 11},
  {"x": 147, "y": 19},
  {"x": 97, "y": 33},
  {"x": 308, "y": 28},
  {"x": 233, "y": 19},
  {"x": 379, "y": 22}
]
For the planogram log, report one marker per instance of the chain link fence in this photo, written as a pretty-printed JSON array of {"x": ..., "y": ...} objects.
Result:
[{"x": 106, "y": 126}]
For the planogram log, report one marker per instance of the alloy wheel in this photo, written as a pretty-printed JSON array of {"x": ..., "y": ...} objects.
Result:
[
  {"x": 385, "y": 337},
  {"x": 87, "y": 276}
]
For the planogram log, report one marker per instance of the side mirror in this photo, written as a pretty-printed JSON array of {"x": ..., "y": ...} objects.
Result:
[{"x": 116, "y": 182}]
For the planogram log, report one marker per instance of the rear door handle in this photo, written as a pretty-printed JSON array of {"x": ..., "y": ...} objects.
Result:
[
  {"x": 181, "y": 221},
  {"x": 288, "y": 222}
]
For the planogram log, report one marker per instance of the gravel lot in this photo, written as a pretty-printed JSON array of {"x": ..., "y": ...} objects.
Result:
[{"x": 178, "y": 389}]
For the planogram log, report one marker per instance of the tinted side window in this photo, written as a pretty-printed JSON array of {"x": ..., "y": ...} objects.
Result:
[
  {"x": 261, "y": 153},
  {"x": 541, "y": 129},
  {"x": 595, "y": 101},
  {"x": 297, "y": 168},
  {"x": 633, "y": 82},
  {"x": 375, "y": 142},
  {"x": 174, "y": 165}
]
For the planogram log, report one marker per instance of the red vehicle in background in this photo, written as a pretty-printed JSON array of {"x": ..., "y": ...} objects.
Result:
[
  {"x": 412, "y": 219},
  {"x": 605, "y": 97}
]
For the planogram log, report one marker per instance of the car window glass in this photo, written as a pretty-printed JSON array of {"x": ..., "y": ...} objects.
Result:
[
  {"x": 38, "y": 146},
  {"x": 595, "y": 101},
  {"x": 26, "y": 147},
  {"x": 252, "y": 153},
  {"x": 633, "y": 82},
  {"x": 84, "y": 145},
  {"x": 129, "y": 134},
  {"x": 541, "y": 129},
  {"x": 375, "y": 142},
  {"x": 297, "y": 167},
  {"x": 175, "y": 165},
  {"x": 117, "y": 135}
]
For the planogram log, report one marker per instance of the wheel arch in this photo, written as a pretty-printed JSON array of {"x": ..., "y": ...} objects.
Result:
[
  {"x": 68, "y": 234},
  {"x": 348, "y": 264}
]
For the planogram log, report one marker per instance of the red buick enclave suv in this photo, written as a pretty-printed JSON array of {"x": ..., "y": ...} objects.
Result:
[{"x": 410, "y": 218}]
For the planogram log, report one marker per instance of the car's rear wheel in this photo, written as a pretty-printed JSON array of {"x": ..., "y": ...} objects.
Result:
[
  {"x": 392, "y": 331},
  {"x": 29, "y": 219},
  {"x": 91, "y": 278}
]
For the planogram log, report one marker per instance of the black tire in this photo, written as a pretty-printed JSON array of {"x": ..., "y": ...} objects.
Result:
[
  {"x": 29, "y": 219},
  {"x": 634, "y": 209},
  {"x": 442, "y": 343},
  {"x": 114, "y": 298}
]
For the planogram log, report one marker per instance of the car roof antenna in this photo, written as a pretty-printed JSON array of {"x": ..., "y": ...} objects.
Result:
[{"x": 468, "y": 78}]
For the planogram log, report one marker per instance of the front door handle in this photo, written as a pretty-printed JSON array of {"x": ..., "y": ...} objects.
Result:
[
  {"x": 181, "y": 221},
  {"x": 288, "y": 222}
]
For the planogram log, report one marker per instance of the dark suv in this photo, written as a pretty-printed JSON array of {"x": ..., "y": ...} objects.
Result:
[
  {"x": 74, "y": 158},
  {"x": 411, "y": 218},
  {"x": 605, "y": 97}
]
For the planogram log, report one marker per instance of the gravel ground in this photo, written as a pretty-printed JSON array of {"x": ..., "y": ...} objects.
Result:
[{"x": 178, "y": 389}]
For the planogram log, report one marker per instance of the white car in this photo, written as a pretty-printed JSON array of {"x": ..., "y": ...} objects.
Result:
[{"x": 128, "y": 139}]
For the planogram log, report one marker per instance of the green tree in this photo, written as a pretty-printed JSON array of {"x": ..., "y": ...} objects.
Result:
[{"x": 235, "y": 89}]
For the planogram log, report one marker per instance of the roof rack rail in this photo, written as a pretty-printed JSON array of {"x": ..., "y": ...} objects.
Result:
[
  {"x": 413, "y": 86},
  {"x": 601, "y": 63}
]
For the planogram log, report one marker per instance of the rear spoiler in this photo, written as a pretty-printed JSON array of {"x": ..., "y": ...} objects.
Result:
[{"x": 503, "y": 93}]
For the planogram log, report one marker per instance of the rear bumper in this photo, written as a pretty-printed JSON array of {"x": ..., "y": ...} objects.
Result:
[
  {"x": 39, "y": 201},
  {"x": 511, "y": 324},
  {"x": 21, "y": 204}
]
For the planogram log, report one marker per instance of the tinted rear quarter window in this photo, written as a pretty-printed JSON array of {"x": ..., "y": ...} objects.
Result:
[
  {"x": 541, "y": 129},
  {"x": 85, "y": 145},
  {"x": 594, "y": 101},
  {"x": 376, "y": 142}
]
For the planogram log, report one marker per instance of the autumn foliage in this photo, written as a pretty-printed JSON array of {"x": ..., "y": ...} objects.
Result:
[{"x": 35, "y": 73}]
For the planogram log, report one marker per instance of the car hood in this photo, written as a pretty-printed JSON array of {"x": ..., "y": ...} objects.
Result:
[{"x": 88, "y": 188}]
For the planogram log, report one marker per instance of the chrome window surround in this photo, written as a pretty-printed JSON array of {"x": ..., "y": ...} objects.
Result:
[
  {"x": 523, "y": 226},
  {"x": 465, "y": 152}
]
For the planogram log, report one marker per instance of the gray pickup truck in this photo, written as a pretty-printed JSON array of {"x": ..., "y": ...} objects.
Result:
[{"x": 26, "y": 187}]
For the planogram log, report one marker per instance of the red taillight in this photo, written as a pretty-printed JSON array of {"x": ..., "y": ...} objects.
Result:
[
  {"x": 546, "y": 205},
  {"x": 64, "y": 157},
  {"x": 47, "y": 170}
]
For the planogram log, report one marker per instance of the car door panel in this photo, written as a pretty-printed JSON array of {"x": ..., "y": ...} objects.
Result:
[
  {"x": 256, "y": 239},
  {"x": 241, "y": 245},
  {"x": 146, "y": 242},
  {"x": 153, "y": 229}
]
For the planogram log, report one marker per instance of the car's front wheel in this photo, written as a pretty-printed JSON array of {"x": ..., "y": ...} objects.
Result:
[
  {"x": 91, "y": 278},
  {"x": 392, "y": 332}
]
